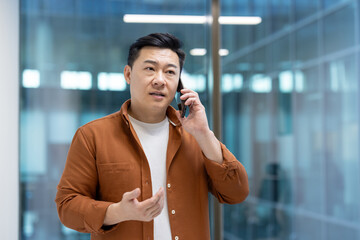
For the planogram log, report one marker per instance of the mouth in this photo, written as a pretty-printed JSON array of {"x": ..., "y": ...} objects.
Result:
[{"x": 158, "y": 94}]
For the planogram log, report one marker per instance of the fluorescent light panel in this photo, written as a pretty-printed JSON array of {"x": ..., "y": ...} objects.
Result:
[
  {"x": 31, "y": 78},
  {"x": 286, "y": 82},
  {"x": 231, "y": 20},
  {"x": 223, "y": 52},
  {"x": 196, "y": 82},
  {"x": 198, "y": 52},
  {"x": 190, "y": 19},
  {"x": 76, "y": 80},
  {"x": 111, "y": 81},
  {"x": 261, "y": 83},
  {"x": 202, "y": 52},
  {"x": 177, "y": 19}
]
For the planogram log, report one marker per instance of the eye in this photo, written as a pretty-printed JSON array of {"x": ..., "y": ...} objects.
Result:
[
  {"x": 149, "y": 68},
  {"x": 171, "y": 72}
]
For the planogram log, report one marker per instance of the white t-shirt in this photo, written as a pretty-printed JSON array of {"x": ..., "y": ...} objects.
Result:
[{"x": 154, "y": 140}]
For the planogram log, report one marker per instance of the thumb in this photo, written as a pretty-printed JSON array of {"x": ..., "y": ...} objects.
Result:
[{"x": 131, "y": 195}]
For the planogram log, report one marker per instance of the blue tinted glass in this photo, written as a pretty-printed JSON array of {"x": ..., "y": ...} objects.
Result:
[
  {"x": 72, "y": 59},
  {"x": 305, "y": 8},
  {"x": 280, "y": 16},
  {"x": 298, "y": 138},
  {"x": 340, "y": 23},
  {"x": 306, "y": 40}
]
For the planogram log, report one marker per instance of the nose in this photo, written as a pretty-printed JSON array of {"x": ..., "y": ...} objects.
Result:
[{"x": 159, "y": 79}]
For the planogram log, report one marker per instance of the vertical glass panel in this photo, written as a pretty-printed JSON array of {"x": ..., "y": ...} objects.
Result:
[
  {"x": 301, "y": 135},
  {"x": 335, "y": 231},
  {"x": 261, "y": 60},
  {"x": 306, "y": 40},
  {"x": 307, "y": 227},
  {"x": 280, "y": 14},
  {"x": 72, "y": 59},
  {"x": 234, "y": 40},
  {"x": 280, "y": 54},
  {"x": 330, "y": 3},
  {"x": 305, "y": 8},
  {"x": 309, "y": 143},
  {"x": 261, "y": 9},
  {"x": 342, "y": 128},
  {"x": 235, "y": 8},
  {"x": 340, "y": 23}
]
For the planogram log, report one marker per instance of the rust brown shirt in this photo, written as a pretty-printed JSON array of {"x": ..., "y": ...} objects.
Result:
[{"x": 105, "y": 160}]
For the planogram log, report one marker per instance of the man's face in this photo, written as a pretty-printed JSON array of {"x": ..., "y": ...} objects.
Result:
[{"x": 153, "y": 79}]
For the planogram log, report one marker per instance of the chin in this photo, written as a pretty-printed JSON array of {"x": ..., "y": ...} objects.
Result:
[{"x": 160, "y": 106}]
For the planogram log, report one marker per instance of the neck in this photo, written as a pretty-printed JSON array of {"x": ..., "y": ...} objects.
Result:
[{"x": 146, "y": 116}]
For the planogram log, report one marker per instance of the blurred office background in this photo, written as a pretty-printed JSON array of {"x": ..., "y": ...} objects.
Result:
[{"x": 290, "y": 104}]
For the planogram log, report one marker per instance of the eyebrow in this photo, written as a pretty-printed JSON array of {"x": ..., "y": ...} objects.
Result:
[{"x": 156, "y": 63}]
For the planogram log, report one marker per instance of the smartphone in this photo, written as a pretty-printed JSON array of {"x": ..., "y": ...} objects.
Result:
[{"x": 180, "y": 103}]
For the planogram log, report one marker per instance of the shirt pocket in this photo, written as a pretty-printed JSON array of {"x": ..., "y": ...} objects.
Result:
[{"x": 115, "y": 179}]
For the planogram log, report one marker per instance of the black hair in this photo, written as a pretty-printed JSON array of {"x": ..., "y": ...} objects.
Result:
[{"x": 160, "y": 40}]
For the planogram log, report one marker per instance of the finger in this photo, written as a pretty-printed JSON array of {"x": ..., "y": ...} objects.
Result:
[
  {"x": 156, "y": 213},
  {"x": 187, "y": 90},
  {"x": 150, "y": 211},
  {"x": 131, "y": 195},
  {"x": 153, "y": 201},
  {"x": 189, "y": 95},
  {"x": 190, "y": 101},
  {"x": 149, "y": 203},
  {"x": 156, "y": 209},
  {"x": 160, "y": 192}
]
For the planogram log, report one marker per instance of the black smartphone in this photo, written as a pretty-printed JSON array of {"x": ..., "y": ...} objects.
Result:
[{"x": 180, "y": 103}]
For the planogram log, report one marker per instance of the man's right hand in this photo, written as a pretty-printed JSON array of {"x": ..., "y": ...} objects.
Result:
[{"x": 129, "y": 208}]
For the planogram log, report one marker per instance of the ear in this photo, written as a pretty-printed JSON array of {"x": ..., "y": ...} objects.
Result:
[{"x": 127, "y": 73}]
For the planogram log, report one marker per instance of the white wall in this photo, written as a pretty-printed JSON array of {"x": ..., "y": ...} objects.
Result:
[{"x": 9, "y": 119}]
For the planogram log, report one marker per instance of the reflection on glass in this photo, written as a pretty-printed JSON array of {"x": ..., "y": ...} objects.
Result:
[
  {"x": 280, "y": 54},
  {"x": 307, "y": 43},
  {"x": 341, "y": 129},
  {"x": 260, "y": 8},
  {"x": 31, "y": 78},
  {"x": 305, "y": 8},
  {"x": 295, "y": 123},
  {"x": 290, "y": 106},
  {"x": 72, "y": 58},
  {"x": 280, "y": 14},
  {"x": 339, "y": 23},
  {"x": 331, "y": 3}
]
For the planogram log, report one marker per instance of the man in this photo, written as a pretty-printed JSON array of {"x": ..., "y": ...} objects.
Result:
[{"x": 145, "y": 172}]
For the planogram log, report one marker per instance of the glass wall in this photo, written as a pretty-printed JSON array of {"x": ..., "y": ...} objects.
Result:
[
  {"x": 291, "y": 92},
  {"x": 72, "y": 56},
  {"x": 290, "y": 97}
]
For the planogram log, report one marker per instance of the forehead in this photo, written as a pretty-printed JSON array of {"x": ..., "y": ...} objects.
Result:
[{"x": 160, "y": 55}]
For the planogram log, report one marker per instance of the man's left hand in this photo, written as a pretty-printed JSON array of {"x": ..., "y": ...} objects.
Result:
[{"x": 196, "y": 122}]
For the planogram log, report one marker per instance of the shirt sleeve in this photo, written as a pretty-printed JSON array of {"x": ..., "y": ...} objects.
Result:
[
  {"x": 228, "y": 181},
  {"x": 76, "y": 192}
]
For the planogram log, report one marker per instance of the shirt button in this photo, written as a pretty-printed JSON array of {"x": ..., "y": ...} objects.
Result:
[
  {"x": 168, "y": 185},
  {"x": 173, "y": 212},
  {"x": 176, "y": 238}
]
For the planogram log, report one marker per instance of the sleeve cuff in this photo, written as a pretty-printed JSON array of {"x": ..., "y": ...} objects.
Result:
[
  {"x": 220, "y": 172},
  {"x": 94, "y": 219}
]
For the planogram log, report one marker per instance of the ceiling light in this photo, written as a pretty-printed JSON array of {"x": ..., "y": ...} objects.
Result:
[
  {"x": 202, "y": 52},
  {"x": 189, "y": 19},
  {"x": 178, "y": 19},
  {"x": 230, "y": 20},
  {"x": 198, "y": 51},
  {"x": 223, "y": 52}
]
